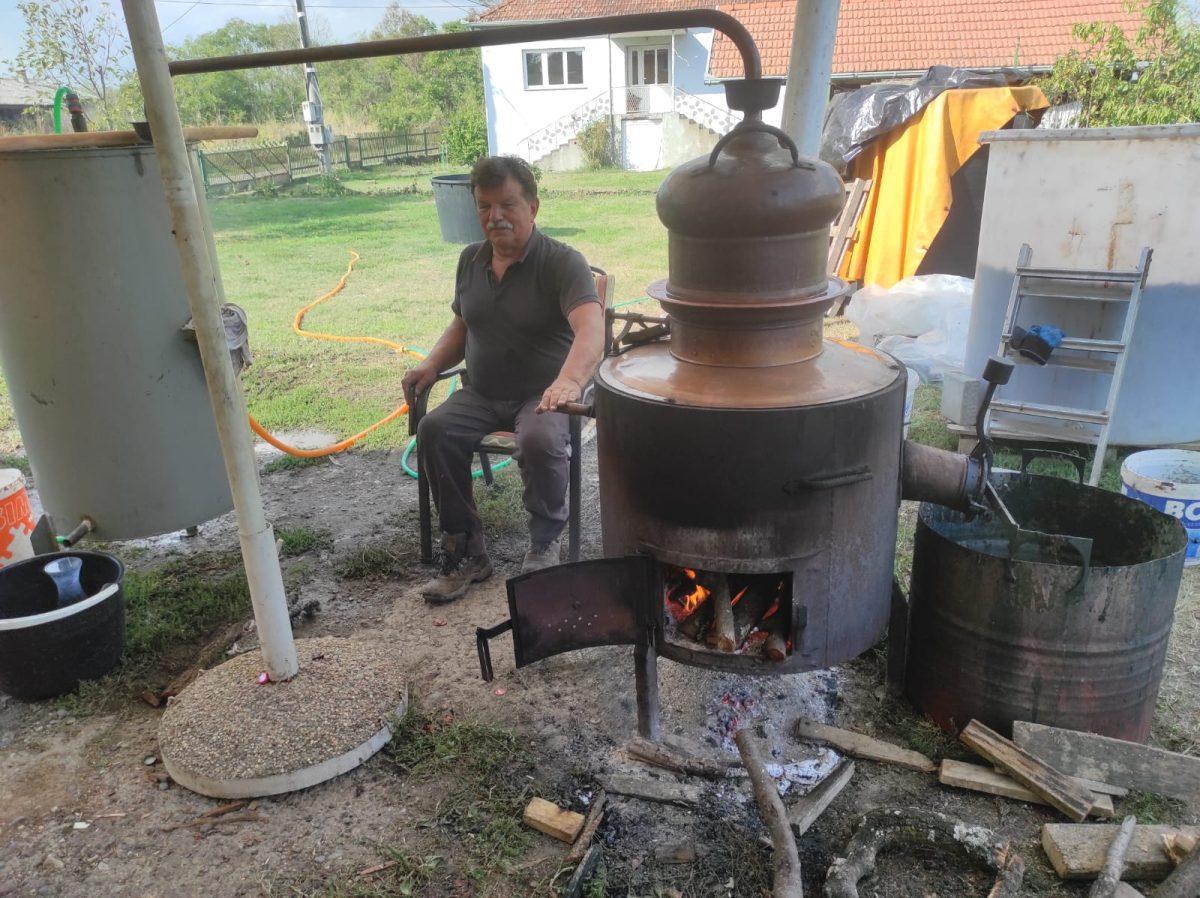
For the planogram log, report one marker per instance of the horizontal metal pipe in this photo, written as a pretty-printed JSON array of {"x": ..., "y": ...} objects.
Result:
[
  {"x": 942, "y": 477},
  {"x": 464, "y": 40}
]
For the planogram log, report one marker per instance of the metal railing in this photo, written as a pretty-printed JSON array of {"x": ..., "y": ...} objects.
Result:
[
  {"x": 563, "y": 129},
  {"x": 248, "y": 168},
  {"x": 704, "y": 113}
]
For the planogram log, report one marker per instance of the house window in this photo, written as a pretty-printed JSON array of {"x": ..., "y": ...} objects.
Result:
[
  {"x": 649, "y": 65},
  {"x": 553, "y": 68}
]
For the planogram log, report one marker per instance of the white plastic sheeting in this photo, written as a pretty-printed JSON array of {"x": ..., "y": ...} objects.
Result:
[{"x": 921, "y": 320}]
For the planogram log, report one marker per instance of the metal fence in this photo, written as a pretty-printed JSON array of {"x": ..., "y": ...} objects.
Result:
[{"x": 247, "y": 168}]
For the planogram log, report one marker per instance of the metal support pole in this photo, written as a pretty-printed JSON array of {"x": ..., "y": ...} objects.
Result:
[
  {"x": 312, "y": 93},
  {"x": 200, "y": 277},
  {"x": 645, "y": 681},
  {"x": 809, "y": 71}
]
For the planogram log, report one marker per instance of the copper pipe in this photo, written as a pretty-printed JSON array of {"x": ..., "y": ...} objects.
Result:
[{"x": 507, "y": 34}]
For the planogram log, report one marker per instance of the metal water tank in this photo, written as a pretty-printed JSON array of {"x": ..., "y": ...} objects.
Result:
[
  {"x": 108, "y": 392},
  {"x": 1092, "y": 198}
]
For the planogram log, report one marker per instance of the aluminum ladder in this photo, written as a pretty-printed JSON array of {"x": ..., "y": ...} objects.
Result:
[{"x": 1102, "y": 356}]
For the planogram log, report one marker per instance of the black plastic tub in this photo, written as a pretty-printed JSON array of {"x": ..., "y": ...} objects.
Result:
[{"x": 45, "y": 651}]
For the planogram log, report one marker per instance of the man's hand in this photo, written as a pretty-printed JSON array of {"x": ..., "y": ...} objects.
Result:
[
  {"x": 563, "y": 390},
  {"x": 417, "y": 380}
]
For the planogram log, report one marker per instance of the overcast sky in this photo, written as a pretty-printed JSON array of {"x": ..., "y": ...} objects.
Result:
[{"x": 181, "y": 19}]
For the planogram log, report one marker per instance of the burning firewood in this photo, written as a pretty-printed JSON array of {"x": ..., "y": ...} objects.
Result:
[{"x": 723, "y": 632}]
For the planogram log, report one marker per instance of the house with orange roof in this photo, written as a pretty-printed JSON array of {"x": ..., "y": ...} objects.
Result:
[{"x": 660, "y": 91}]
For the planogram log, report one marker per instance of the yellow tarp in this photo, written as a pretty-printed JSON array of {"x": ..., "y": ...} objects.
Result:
[{"x": 911, "y": 168}]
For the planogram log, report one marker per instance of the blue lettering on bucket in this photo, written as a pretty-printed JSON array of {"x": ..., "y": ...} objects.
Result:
[{"x": 1186, "y": 511}]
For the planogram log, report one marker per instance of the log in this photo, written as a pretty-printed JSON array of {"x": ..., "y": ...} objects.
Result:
[
  {"x": 549, "y": 818},
  {"x": 804, "y": 813},
  {"x": 116, "y": 138},
  {"x": 594, "y": 818},
  {"x": 1077, "y": 850},
  {"x": 860, "y": 746},
  {"x": 722, "y": 633},
  {"x": 983, "y": 779},
  {"x": 787, "y": 882},
  {"x": 653, "y": 753},
  {"x": 775, "y": 648},
  {"x": 1106, "y": 883},
  {"x": 1115, "y": 761},
  {"x": 696, "y": 624},
  {"x": 651, "y": 790},
  {"x": 1052, "y": 784},
  {"x": 886, "y": 828},
  {"x": 1185, "y": 881}
]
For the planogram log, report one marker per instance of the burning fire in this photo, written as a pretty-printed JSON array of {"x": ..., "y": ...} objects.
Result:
[{"x": 694, "y": 599}]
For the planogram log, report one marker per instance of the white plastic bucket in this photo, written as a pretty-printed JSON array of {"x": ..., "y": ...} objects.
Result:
[{"x": 1169, "y": 480}]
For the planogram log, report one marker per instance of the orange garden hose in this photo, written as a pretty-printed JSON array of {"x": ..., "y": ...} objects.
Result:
[{"x": 297, "y": 326}]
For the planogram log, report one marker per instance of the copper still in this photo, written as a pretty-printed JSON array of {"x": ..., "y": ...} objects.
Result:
[{"x": 737, "y": 445}]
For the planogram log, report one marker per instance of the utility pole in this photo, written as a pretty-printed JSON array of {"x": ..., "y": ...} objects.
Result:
[
  {"x": 314, "y": 117},
  {"x": 809, "y": 71}
]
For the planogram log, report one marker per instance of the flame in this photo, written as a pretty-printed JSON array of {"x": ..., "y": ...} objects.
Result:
[
  {"x": 773, "y": 609},
  {"x": 694, "y": 599},
  {"x": 738, "y": 597},
  {"x": 689, "y": 573}
]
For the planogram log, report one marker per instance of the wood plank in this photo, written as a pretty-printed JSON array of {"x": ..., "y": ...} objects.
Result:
[
  {"x": 1116, "y": 761},
  {"x": 574, "y": 888},
  {"x": 1077, "y": 850},
  {"x": 1032, "y": 773},
  {"x": 983, "y": 779},
  {"x": 805, "y": 812},
  {"x": 117, "y": 138},
  {"x": 860, "y": 746},
  {"x": 653, "y": 753},
  {"x": 665, "y": 791},
  {"x": 1094, "y": 785},
  {"x": 549, "y": 818}
]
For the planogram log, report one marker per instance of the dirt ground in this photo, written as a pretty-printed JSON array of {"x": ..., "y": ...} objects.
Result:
[{"x": 80, "y": 816}]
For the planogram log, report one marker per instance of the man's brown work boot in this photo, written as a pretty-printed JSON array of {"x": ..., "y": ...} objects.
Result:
[
  {"x": 542, "y": 556},
  {"x": 457, "y": 571}
]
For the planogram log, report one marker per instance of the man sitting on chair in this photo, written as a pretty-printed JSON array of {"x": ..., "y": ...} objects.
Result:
[{"x": 530, "y": 325}]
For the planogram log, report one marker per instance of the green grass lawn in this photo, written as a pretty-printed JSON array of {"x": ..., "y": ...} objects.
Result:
[{"x": 279, "y": 252}]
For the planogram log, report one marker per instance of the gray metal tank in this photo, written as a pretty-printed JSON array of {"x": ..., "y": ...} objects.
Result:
[{"x": 108, "y": 393}]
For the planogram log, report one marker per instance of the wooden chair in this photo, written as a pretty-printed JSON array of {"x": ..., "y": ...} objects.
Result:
[{"x": 504, "y": 443}]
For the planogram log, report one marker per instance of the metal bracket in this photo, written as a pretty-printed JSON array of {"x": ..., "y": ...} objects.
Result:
[{"x": 483, "y": 636}]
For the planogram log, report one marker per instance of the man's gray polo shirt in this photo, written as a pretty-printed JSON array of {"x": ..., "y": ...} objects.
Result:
[{"x": 518, "y": 335}]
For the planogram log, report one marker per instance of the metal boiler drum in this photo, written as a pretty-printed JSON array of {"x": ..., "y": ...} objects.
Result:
[{"x": 108, "y": 391}]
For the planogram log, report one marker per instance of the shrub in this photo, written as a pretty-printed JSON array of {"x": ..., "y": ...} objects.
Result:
[
  {"x": 466, "y": 137},
  {"x": 596, "y": 145}
]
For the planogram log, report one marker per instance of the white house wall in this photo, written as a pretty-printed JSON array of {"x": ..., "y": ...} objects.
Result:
[{"x": 515, "y": 112}]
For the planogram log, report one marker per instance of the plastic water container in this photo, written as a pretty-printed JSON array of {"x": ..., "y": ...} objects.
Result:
[
  {"x": 16, "y": 517},
  {"x": 1169, "y": 480}
]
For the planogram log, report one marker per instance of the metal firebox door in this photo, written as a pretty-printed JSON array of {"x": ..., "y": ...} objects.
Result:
[{"x": 608, "y": 601}]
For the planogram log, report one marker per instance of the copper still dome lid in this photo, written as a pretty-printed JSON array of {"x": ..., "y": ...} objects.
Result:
[{"x": 747, "y": 289}]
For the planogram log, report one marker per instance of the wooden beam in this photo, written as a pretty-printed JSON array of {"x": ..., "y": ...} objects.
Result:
[
  {"x": 804, "y": 813},
  {"x": 1077, "y": 850},
  {"x": 1112, "y": 760},
  {"x": 1185, "y": 881},
  {"x": 1032, "y": 773},
  {"x": 983, "y": 779},
  {"x": 860, "y": 746},
  {"x": 549, "y": 818},
  {"x": 668, "y": 792},
  {"x": 654, "y": 753},
  {"x": 79, "y": 139}
]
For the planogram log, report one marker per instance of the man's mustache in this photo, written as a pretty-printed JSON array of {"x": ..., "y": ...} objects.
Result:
[{"x": 499, "y": 226}]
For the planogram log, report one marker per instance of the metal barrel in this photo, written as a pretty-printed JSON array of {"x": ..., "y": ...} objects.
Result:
[
  {"x": 456, "y": 209},
  {"x": 1037, "y": 636},
  {"x": 107, "y": 388}
]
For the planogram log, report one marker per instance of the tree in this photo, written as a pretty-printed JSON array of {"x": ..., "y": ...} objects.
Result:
[
  {"x": 1151, "y": 79},
  {"x": 249, "y": 95},
  {"x": 69, "y": 42}
]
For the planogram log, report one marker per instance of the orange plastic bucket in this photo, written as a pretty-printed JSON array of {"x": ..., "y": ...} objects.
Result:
[{"x": 16, "y": 518}]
